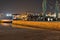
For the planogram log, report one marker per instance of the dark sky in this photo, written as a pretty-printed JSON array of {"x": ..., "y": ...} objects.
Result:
[
  {"x": 23, "y": 5},
  {"x": 19, "y": 5}
]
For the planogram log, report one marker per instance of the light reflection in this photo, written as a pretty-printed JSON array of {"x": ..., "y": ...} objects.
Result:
[
  {"x": 5, "y": 24},
  {"x": 19, "y": 26},
  {"x": 25, "y": 27}
]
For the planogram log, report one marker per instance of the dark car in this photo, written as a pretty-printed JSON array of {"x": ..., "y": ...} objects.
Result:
[{"x": 48, "y": 18}]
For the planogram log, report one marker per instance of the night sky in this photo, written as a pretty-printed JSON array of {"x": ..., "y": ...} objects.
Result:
[{"x": 24, "y": 5}]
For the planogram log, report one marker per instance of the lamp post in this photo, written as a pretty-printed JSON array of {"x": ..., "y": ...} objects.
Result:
[
  {"x": 44, "y": 9},
  {"x": 57, "y": 9}
]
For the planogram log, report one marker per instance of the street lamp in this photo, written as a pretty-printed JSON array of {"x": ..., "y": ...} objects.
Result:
[
  {"x": 57, "y": 9},
  {"x": 44, "y": 9}
]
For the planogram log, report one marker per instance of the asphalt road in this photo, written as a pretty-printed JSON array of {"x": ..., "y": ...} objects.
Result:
[{"x": 10, "y": 32}]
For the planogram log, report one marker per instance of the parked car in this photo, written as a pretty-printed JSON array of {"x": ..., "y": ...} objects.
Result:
[
  {"x": 48, "y": 18},
  {"x": 6, "y": 19}
]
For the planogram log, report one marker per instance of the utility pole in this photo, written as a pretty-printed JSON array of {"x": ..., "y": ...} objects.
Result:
[
  {"x": 44, "y": 9},
  {"x": 57, "y": 9}
]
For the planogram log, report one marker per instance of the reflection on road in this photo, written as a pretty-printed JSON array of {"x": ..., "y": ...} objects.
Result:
[
  {"x": 26, "y": 27},
  {"x": 13, "y": 28},
  {"x": 17, "y": 26},
  {"x": 10, "y": 31},
  {"x": 7, "y": 27},
  {"x": 5, "y": 24}
]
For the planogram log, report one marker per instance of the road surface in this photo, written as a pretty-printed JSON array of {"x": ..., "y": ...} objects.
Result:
[{"x": 10, "y": 32}]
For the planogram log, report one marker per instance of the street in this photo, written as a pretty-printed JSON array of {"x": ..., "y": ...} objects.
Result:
[
  {"x": 8, "y": 32},
  {"x": 29, "y": 19}
]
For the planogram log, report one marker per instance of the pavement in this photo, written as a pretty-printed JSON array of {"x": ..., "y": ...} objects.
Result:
[{"x": 10, "y": 31}]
